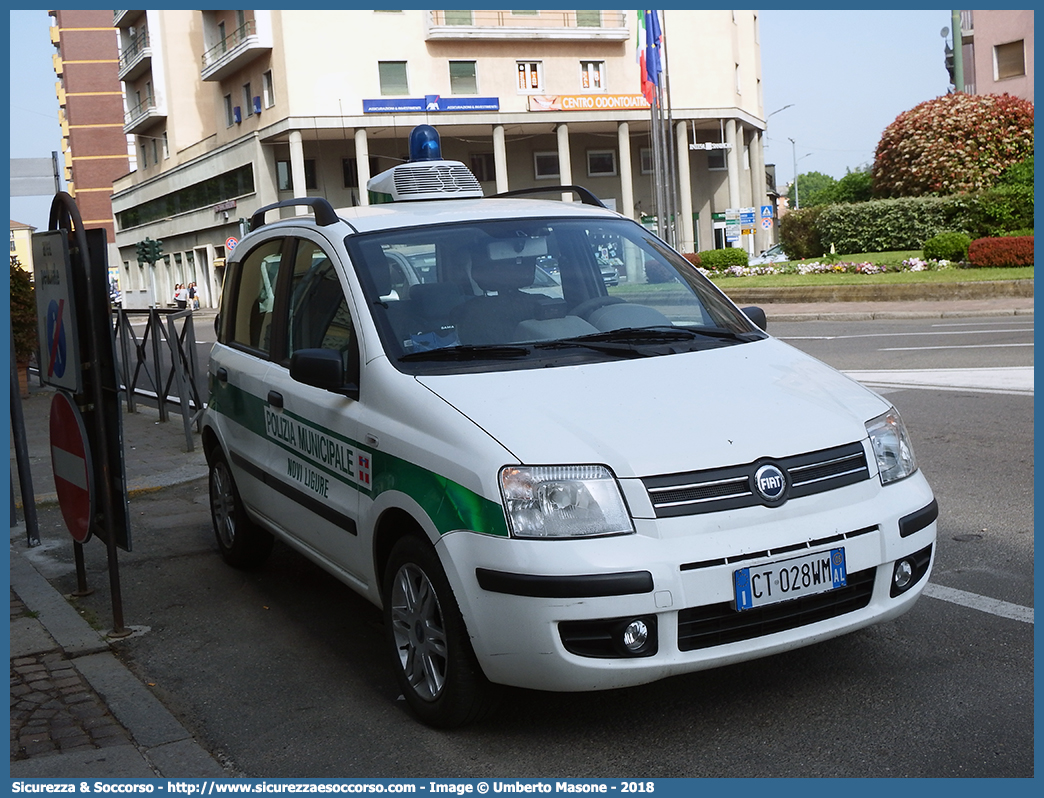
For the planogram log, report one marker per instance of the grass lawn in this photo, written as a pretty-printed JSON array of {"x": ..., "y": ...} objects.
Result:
[{"x": 952, "y": 275}]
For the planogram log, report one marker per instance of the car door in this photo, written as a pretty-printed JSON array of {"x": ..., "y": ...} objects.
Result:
[
  {"x": 239, "y": 367},
  {"x": 315, "y": 456}
]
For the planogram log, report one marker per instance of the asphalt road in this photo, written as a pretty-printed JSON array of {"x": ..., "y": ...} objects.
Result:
[{"x": 281, "y": 672}]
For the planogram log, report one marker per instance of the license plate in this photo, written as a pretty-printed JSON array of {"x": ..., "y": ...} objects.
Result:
[{"x": 773, "y": 582}]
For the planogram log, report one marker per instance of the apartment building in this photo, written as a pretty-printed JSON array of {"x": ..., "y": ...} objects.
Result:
[
  {"x": 90, "y": 112},
  {"x": 233, "y": 110},
  {"x": 998, "y": 52}
]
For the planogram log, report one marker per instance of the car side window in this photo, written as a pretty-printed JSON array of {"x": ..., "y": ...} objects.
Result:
[
  {"x": 319, "y": 314},
  {"x": 255, "y": 297}
]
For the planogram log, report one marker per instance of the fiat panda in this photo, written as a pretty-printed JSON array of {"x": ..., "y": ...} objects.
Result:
[{"x": 545, "y": 478}]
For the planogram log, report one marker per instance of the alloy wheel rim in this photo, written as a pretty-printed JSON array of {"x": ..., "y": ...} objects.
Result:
[{"x": 420, "y": 636}]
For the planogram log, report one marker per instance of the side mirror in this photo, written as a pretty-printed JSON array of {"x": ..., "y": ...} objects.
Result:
[
  {"x": 322, "y": 368},
  {"x": 756, "y": 315}
]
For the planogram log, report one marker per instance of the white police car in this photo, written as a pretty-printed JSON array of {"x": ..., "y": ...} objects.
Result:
[{"x": 544, "y": 480}]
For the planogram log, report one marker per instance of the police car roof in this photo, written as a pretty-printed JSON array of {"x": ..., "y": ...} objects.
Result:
[{"x": 370, "y": 218}]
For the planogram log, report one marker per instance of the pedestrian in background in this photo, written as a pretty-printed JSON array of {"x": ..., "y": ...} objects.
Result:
[{"x": 181, "y": 296}]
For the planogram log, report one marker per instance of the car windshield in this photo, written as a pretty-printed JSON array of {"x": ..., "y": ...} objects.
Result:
[{"x": 505, "y": 294}]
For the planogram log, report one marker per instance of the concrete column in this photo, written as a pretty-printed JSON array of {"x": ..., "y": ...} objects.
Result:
[
  {"x": 297, "y": 171},
  {"x": 500, "y": 158},
  {"x": 732, "y": 160},
  {"x": 758, "y": 190},
  {"x": 686, "y": 234},
  {"x": 565, "y": 169},
  {"x": 362, "y": 161},
  {"x": 623, "y": 137}
]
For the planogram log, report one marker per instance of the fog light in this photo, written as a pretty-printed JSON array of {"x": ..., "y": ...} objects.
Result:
[
  {"x": 903, "y": 574},
  {"x": 635, "y": 635}
]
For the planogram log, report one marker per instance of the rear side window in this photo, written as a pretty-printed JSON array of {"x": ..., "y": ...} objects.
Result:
[{"x": 252, "y": 314}]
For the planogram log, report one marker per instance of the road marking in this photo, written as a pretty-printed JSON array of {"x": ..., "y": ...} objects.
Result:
[
  {"x": 964, "y": 346},
  {"x": 897, "y": 334},
  {"x": 1003, "y": 609},
  {"x": 1012, "y": 380}
]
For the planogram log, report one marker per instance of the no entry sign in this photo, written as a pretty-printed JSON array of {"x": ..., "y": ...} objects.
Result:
[{"x": 71, "y": 462}]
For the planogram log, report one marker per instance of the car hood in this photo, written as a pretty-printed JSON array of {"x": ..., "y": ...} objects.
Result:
[{"x": 669, "y": 413}]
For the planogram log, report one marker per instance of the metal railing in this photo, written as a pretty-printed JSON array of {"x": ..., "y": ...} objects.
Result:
[
  {"x": 537, "y": 20},
  {"x": 141, "y": 109},
  {"x": 230, "y": 42},
  {"x": 135, "y": 47},
  {"x": 160, "y": 367}
]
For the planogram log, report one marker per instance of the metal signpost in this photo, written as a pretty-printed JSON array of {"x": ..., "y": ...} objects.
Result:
[{"x": 78, "y": 357}]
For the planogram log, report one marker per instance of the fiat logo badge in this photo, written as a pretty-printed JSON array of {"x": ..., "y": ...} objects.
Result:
[{"x": 770, "y": 483}]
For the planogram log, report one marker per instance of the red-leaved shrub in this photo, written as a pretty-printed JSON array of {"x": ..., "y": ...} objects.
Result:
[{"x": 1001, "y": 252}]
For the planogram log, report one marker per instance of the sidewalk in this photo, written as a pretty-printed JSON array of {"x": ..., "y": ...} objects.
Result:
[{"x": 76, "y": 710}]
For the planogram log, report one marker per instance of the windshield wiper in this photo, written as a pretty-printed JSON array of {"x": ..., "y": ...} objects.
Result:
[{"x": 468, "y": 352}]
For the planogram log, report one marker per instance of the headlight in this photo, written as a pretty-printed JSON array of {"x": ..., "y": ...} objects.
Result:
[
  {"x": 892, "y": 447},
  {"x": 563, "y": 502}
]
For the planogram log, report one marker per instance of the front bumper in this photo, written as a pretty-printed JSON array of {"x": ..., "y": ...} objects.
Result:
[{"x": 520, "y": 598}]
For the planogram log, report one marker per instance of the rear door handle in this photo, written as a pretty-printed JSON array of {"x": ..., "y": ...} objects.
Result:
[
  {"x": 222, "y": 374},
  {"x": 275, "y": 399}
]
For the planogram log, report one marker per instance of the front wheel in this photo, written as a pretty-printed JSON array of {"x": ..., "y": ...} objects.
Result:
[
  {"x": 242, "y": 543},
  {"x": 434, "y": 662}
]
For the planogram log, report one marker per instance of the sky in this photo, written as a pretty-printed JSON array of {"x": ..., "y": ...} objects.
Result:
[{"x": 846, "y": 75}]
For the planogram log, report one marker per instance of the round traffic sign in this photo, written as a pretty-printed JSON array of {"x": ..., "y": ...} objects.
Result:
[
  {"x": 71, "y": 463},
  {"x": 766, "y": 224},
  {"x": 230, "y": 243}
]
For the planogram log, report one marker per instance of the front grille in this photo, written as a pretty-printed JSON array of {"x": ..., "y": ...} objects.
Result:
[
  {"x": 718, "y": 624},
  {"x": 731, "y": 487}
]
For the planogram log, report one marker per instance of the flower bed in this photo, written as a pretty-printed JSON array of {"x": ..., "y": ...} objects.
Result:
[{"x": 837, "y": 267}]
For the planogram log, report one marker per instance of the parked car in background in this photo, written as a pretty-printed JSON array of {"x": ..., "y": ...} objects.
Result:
[{"x": 771, "y": 255}]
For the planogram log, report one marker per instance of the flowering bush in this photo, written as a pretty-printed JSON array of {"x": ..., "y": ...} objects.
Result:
[
  {"x": 954, "y": 143},
  {"x": 1001, "y": 252}
]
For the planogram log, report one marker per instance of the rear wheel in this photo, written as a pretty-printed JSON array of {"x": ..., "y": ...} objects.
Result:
[
  {"x": 242, "y": 543},
  {"x": 434, "y": 662}
]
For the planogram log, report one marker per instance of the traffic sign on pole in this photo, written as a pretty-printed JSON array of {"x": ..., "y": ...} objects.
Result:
[{"x": 71, "y": 463}]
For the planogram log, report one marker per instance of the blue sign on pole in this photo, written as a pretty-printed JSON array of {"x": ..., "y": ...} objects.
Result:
[{"x": 766, "y": 211}]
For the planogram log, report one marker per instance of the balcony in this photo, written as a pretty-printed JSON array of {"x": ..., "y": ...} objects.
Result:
[
  {"x": 554, "y": 25},
  {"x": 234, "y": 52},
  {"x": 136, "y": 57},
  {"x": 143, "y": 115},
  {"x": 121, "y": 19}
]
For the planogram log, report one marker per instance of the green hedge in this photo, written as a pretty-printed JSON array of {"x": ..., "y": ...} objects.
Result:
[
  {"x": 905, "y": 223},
  {"x": 717, "y": 260},
  {"x": 947, "y": 246}
]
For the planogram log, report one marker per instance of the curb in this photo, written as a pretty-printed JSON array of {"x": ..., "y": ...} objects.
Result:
[
  {"x": 901, "y": 292},
  {"x": 162, "y": 746}
]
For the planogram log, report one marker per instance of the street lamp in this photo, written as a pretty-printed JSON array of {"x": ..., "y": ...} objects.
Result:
[
  {"x": 797, "y": 203},
  {"x": 784, "y": 108}
]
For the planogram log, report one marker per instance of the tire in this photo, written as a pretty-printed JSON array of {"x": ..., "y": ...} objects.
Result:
[
  {"x": 431, "y": 652},
  {"x": 243, "y": 544}
]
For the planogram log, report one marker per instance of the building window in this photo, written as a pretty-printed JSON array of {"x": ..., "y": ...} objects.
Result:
[
  {"x": 591, "y": 73},
  {"x": 144, "y": 154},
  {"x": 155, "y": 150},
  {"x": 601, "y": 163},
  {"x": 393, "y": 77},
  {"x": 545, "y": 165},
  {"x": 484, "y": 167},
  {"x": 284, "y": 176},
  {"x": 350, "y": 168},
  {"x": 646, "y": 157},
  {"x": 716, "y": 160},
  {"x": 247, "y": 103},
  {"x": 739, "y": 89},
  {"x": 1009, "y": 60},
  {"x": 530, "y": 79},
  {"x": 588, "y": 19},
  {"x": 462, "y": 77},
  {"x": 267, "y": 89},
  {"x": 166, "y": 146},
  {"x": 458, "y": 17},
  {"x": 229, "y": 119}
]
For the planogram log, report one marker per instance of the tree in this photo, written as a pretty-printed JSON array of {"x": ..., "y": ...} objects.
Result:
[
  {"x": 952, "y": 144},
  {"x": 855, "y": 186},
  {"x": 23, "y": 312},
  {"x": 813, "y": 188}
]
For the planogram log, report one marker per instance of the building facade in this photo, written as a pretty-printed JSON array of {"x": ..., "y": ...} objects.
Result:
[
  {"x": 90, "y": 112},
  {"x": 998, "y": 52},
  {"x": 234, "y": 110}
]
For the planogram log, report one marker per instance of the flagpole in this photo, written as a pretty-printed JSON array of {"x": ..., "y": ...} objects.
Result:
[{"x": 669, "y": 142}]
